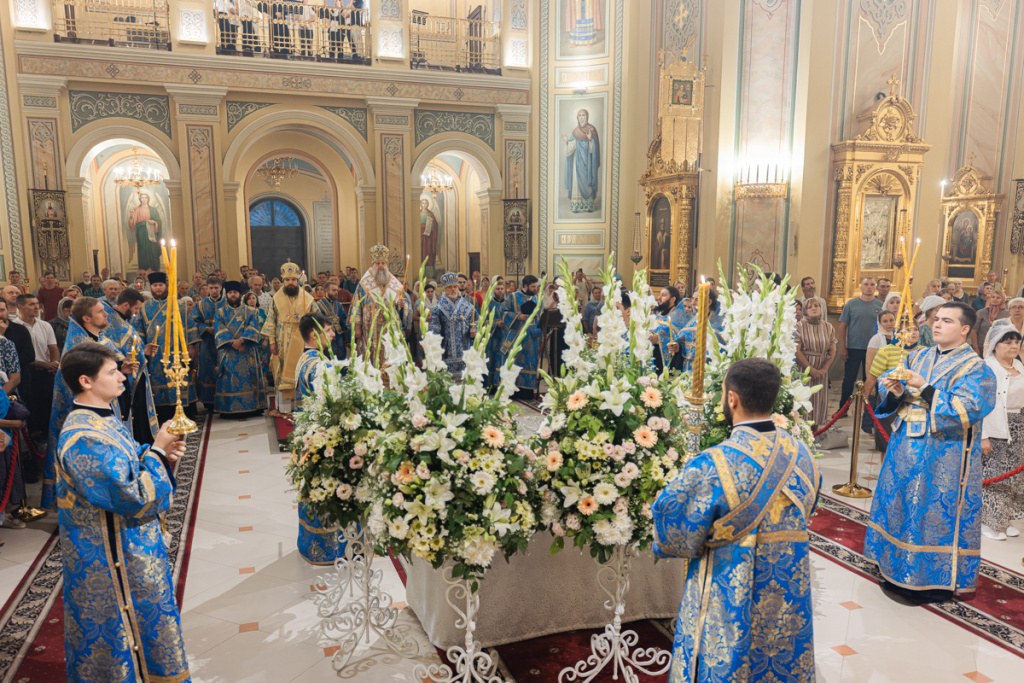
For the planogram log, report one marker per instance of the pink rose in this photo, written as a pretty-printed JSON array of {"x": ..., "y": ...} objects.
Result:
[
  {"x": 557, "y": 529},
  {"x": 629, "y": 447},
  {"x": 355, "y": 462},
  {"x": 420, "y": 421},
  {"x": 545, "y": 432},
  {"x": 360, "y": 449},
  {"x": 672, "y": 455},
  {"x": 423, "y": 472}
]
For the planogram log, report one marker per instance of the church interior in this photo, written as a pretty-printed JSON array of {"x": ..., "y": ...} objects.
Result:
[{"x": 830, "y": 139}]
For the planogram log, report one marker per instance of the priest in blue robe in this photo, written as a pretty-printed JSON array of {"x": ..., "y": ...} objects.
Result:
[
  {"x": 497, "y": 337},
  {"x": 336, "y": 315},
  {"x": 925, "y": 528},
  {"x": 318, "y": 544},
  {"x": 204, "y": 315},
  {"x": 87, "y": 322},
  {"x": 136, "y": 402},
  {"x": 454, "y": 320},
  {"x": 151, "y": 324},
  {"x": 514, "y": 313},
  {"x": 738, "y": 512},
  {"x": 241, "y": 390},
  {"x": 121, "y": 621},
  {"x": 668, "y": 322}
]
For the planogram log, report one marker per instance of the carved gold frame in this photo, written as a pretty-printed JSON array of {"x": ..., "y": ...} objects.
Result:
[{"x": 970, "y": 192}]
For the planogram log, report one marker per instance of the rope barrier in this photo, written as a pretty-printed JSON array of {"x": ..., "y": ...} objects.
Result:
[
  {"x": 31, "y": 444},
  {"x": 839, "y": 413},
  {"x": 10, "y": 475},
  {"x": 878, "y": 425}
]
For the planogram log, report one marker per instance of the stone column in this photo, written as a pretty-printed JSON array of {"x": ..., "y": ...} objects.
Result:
[
  {"x": 366, "y": 200},
  {"x": 79, "y": 193},
  {"x": 491, "y": 231}
]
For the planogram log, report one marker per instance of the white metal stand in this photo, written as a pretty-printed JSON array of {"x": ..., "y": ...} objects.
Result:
[
  {"x": 614, "y": 645},
  {"x": 472, "y": 664},
  {"x": 371, "y": 615}
]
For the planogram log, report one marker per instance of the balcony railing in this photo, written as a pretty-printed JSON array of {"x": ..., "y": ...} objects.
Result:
[
  {"x": 312, "y": 30},
  {"x": 131, "y": 23},
  {"x": 453, "y": 44}
]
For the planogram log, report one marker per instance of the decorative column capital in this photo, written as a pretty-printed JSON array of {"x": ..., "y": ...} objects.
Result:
[
  {"x": 490, "y": 195},
  {"x": 231, "y": 189},
  {"x": 392, "y": 112},
  {"x": 173, "y": 188},
  {"x": 38, "y": 84},
  {"x": 367, "y": 194},
  {"x": 78, "y": 186}
]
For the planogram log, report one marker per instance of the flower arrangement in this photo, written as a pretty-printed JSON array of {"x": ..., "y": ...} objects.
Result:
[
  {"x": 608, "y": 443},
  {"x": 450, "y": 479},
  {"x": 760, "y": 321}
]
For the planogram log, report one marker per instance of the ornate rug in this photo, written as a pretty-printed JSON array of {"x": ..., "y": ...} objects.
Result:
[
  {"x": 32, "y": 623},
  {"x": 995, "y": 611}
]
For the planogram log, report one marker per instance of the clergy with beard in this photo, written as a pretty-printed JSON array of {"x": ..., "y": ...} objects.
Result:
[
  {"x": 493, "y": 349},
  {"x": 514, "y": 312},
  {"x": 291, "y": 302},
  {"x": 151, "y": 324},
  {"x": 738, "y": 512},
  {"x": 377, "y": 285},
  {"x": 668, "y": 322},
  {"x": 87, "y": 322},
  {"x": 204, "y": 314},
  {"x": 454, "y": 320},
  {"x": 240, "y": 391},
  {"x": 331, "y": 309},
  {"x": 136, "y": 401}
]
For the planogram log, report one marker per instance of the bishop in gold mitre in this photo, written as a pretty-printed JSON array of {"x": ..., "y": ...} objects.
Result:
[{"x": 291, "y": 302}]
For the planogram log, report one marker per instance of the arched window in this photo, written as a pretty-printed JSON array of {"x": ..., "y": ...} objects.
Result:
[{"x": 277, "y": 233}]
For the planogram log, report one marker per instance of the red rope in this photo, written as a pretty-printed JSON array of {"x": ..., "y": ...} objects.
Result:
[
  {"x": 31, "y": 445},
  {"x": 839, "y": 413},
  {"x": 878, "y": 425},
  {"x": 10, "y": 475}
]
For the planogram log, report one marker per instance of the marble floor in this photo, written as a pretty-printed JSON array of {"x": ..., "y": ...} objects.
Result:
[{"x": 249, "y": 613}]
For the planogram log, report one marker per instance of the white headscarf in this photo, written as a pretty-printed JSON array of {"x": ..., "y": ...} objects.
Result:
[
  {"x": 931, "y": 301},
  {"x": 999, "y": 329}
]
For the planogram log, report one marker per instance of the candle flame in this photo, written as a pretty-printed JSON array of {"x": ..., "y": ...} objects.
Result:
[
  {"x": 173, "y": 245},
  {"x": 163, "y": 243},
  {"x": 702, "y": 280}
]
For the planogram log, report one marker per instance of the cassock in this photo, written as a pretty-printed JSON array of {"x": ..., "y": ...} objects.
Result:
[
  {"x": 61, "y": 406},
  {"x": 151, "y": 316},
  {"x": 240, "y": 386},
  {"x": 367, "y": 318},
  {"x": 318, "y": 544},
  {"x": 337, "y": 317},
  {"x": 668, "y": 328},
  {"x": 494, "y": 343},
  {"x": 121, "y": 620},
  {"x": 204, "y": 315},
  {"x": 925, "y": 526},
  {"x": 136, "y": 402},
  {"x": 282, "y": 328},
  {"x": 528, "y": 358},
  {"x": 738, "y": 512},
  {"x": 452, "y": 320}
]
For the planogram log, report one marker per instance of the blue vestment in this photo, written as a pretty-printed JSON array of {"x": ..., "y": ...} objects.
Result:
[
  {"x": 338, "y": 318},
  {"x": 925, "y": 526},
  {"x": 738, "y": 512},
  {"x": 240, "y": 385},
  {"x": 261, "y": 317},
  {"x": 119, "y": 605},
  {"x": 151, "y": 316},
  {"x": 582, "y": 168},
  {"x": 123, "y": 336},
  {"x": 528, "y": 358},
  {"x": 452, "y": 320},
  {"x": 493, "y": 349},
  {"x": 668, "y": 328},
  {"x": 204, "y": 315}
]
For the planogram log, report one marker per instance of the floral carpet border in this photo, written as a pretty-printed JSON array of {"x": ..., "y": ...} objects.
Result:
[{"x": 33, "y": 598}]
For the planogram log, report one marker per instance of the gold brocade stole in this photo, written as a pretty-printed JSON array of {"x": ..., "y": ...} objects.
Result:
[
  {"x": 289, "y": 311},
  {"x": 915, "y": 410}
]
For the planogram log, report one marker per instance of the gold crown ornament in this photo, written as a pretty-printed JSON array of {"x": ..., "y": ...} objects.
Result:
[
  {"x": 378, "y": 253},
  {"x": 291, "y": 270}
]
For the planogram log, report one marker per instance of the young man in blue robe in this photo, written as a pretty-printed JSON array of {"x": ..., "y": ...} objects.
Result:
[
  {"x": 121, "y": 619},
  {"x": 241, "y": 391},
  {"x": 454, "y": 320},
  {"x": 336, "y": 315},
  {"x": 514, "y": 317},
  {"x": 669, "y": 321},
  {"x": 317, "y": 544},
  {"x": 204, "y": 315},
  {"x": 136, "y": 402},
  {"x": 494, "y": 345},
  {"x": 151, "y": 324},
  {"x": 925, "y": 528},
  {"x": 738, "y": 511}
]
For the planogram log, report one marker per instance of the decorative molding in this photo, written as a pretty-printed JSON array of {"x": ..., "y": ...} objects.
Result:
[
  {"x": 391, "y": 9},
  {"x": 238, "y": 110},
  {"x": 45, "y": 167},
  {"x": 394, "y": 209},
  {"x": 39, "y": 101},
  {"x": 769, "y": 7},
  {"x": 392, "y": 42},
  {"x": 355, "y": 116},
  {"x": 198, "y": 110},
  {"x": 30, "y": 14},
  {"x": 203, "y": 187},
  {"x": 883, "y": 15},
  {"x": 543, "y": 206},
  {"x": 515, "y": 168},
  {"x": 518, "y": 53},
  {"x": 516, "y": 127},
  {"x": 518, "y": 15},
  {"x": 88, "y": 106},
  {"x": 679, "y": 29},
  {"x": 391, "y": 120},
  {"x": 12, "y": 240},
  {"x": 993, "y": 7},
  {"x": 296, "y": 83},
  {"x": 581, "y": 76},
  {"x": 592, "y": 239},
  {"x": 616, "y": 114},
  {"x": 196, "y": 94},
  {"x": 192, "y": 26},
  {"x": 429, "y": 123}
]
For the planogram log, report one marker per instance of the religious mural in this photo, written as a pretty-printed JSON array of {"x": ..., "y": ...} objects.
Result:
[
  {"x": 963, "y": 245},
  {"x": 432, "y": 216},
  {"x": 142, "y": 219},
  {"x": 661, "y": 234},
  {"x": 582, "y": 123},
  {"x": 878, "y": 224},
  {"x": 582, "y": 29}
]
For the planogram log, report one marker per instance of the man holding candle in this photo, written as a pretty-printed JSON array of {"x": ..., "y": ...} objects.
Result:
[
  {"x": 137, "y": 400},
  {"x": 240, "y": 387},
  {"x": 204, "y": 315},
  {"x": 291, "y": 302}
]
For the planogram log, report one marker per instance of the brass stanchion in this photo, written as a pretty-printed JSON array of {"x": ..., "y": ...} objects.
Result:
[{"x": 852, "y": 489}]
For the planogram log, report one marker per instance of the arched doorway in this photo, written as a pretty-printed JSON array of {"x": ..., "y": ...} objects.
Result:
[{"x": 277, "y": 231}]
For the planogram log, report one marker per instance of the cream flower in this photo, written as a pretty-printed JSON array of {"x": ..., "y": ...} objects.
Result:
[
  {"x": 554, "y": 461},
  {"x": 587, "y": 506},
  {"x": 493, "y": 437},
  {"x": 645, "y": 436},
  {"x": 651, "y": 397},
  {"x": 577, "y": 401},
  {"x": 482, "y": 483},
  {"x": 605, "y": 493}
]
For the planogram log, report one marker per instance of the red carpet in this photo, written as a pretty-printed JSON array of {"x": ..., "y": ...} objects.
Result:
[
  {"x": 32, "y": 623},
  {"x": 995, "y": 611}
]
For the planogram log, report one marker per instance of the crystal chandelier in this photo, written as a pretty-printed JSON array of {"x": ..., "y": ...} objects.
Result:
[
  {"x": 435, "y": 182},
  {"x": 135, "y": 176},
  {"x": 275, "y": 171}
]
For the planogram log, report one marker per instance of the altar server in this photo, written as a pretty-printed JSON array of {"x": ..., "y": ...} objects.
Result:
[
  {"x": 925, "y": 528},
  {"x": 454, "y": 320},
  {"x": 204, "y": 315},
  {"x": 332, "y": 309},
  {"x": 514, "y": 312},
  {"x": 121, "y": 622},
  {"x": 137, "y": 407},
  {"x": 739, "y": 512},
  {"x": 241, "y": 391}
]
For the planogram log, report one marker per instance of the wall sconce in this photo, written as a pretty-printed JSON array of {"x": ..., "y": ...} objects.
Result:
[{"x": 761, "y": 181}]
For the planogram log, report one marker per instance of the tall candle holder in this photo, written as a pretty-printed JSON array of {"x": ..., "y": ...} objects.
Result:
[
  {"x": 696, "y": 398},
  {"x": 175, "y": 343}
]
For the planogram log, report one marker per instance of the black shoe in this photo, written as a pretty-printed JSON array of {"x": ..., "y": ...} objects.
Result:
[{"x": 907, "y": 596}]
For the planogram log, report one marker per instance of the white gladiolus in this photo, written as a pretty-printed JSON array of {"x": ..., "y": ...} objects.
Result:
[
  {"x": 433, "y": 353},
  {"x": 476, "y": 364}
]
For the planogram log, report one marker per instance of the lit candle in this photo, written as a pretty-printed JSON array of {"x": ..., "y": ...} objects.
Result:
[
  {"x": 405, "y": 273},
  {"x": 700, "y": 343}
]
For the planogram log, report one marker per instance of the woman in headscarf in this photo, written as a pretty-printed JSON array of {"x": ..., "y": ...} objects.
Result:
[
  {"x": 60, "y": 323},
  {"x": 72, "y": 292},
  {"x": 995, "y": 310},
  {"x": 815, "y": 350},
  {"x": 1015, "y": 306},
  {"x": 1002, "y": 434},
  {"x": 887, "y": 358}
]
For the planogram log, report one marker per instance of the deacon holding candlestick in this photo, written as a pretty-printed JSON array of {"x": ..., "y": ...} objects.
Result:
[{"x": 137, "y": 405}]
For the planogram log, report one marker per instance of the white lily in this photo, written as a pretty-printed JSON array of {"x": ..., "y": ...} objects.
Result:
[{"x": 571, "y": 493}]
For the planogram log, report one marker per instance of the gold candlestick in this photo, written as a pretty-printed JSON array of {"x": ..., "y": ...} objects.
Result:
[
  {"x": 176, "y": 369},
  {"x": 700, "y": 343}
]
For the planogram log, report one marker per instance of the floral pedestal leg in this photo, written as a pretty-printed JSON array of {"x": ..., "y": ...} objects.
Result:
[
  {"x": 694, "y": 424},
  {"x": 371, "y": 615},
  {"x": 615, "y": 646},
  {"x": 472, "y": 664}
]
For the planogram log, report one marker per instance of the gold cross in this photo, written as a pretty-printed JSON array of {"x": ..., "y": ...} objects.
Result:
[
  {"x": 893, "y": 82},
  {"x": 970, "y": 159}
]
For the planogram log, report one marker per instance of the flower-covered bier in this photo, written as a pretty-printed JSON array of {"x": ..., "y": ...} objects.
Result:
[
  {"x": 450, "y": 479},
  {"x": 609, "y": 441}
]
